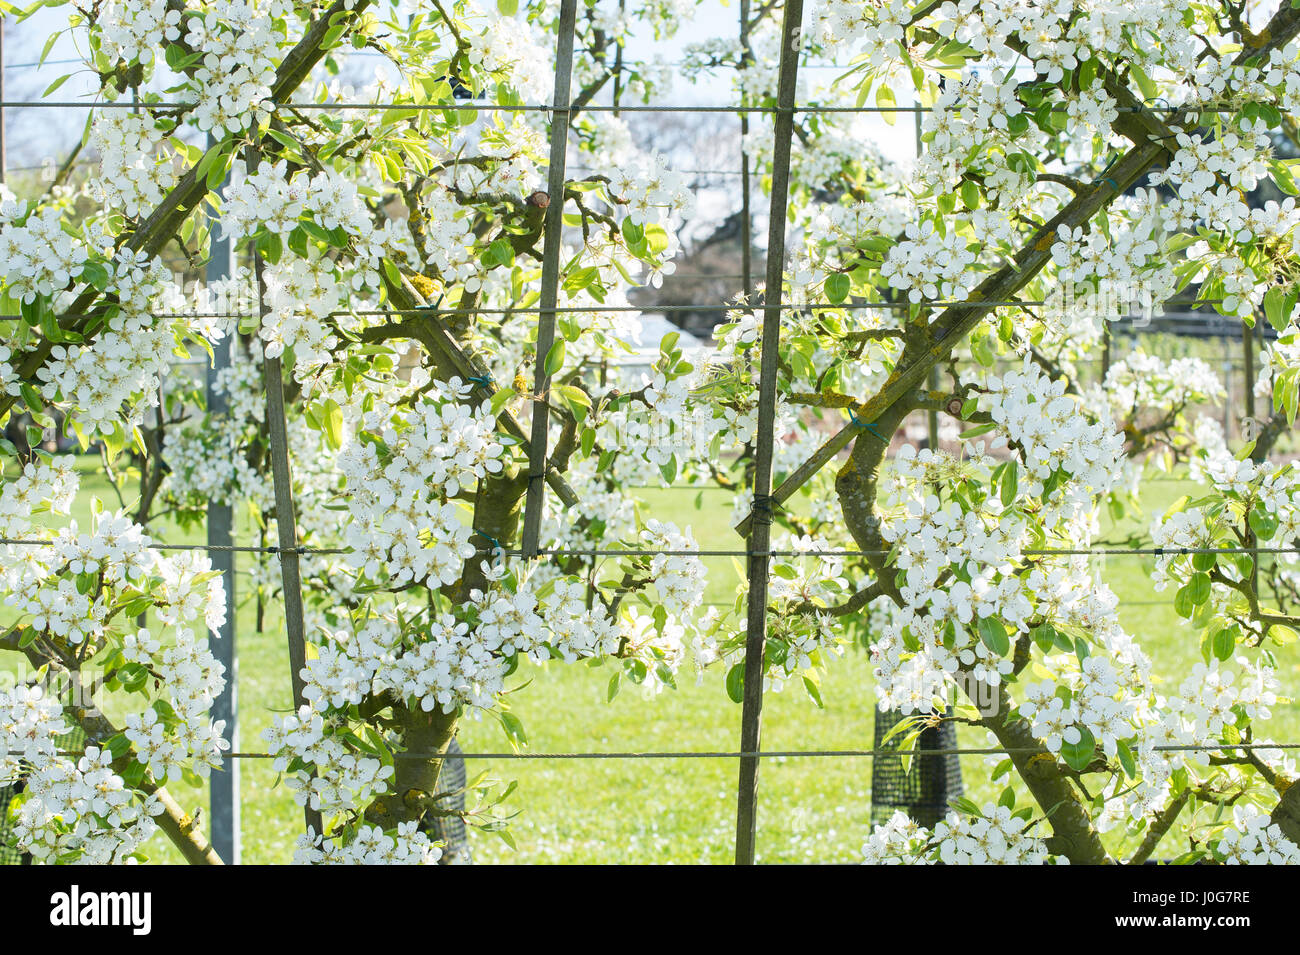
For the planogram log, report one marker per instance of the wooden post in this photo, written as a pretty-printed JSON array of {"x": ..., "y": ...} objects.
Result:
[
  {"x": 760, "y": 530},
  {"x": 553, "y": 237},
  {"x": 285, "y": 518}
]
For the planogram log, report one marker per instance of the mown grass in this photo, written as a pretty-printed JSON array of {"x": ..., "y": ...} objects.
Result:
[{"x": 675, "y": 811}]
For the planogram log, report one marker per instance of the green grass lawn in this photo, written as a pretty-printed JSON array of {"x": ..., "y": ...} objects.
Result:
[{"x": 811, "y": 809}]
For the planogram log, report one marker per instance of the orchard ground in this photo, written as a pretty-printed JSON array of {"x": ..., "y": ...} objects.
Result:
[{"x": 811, "y": 809}]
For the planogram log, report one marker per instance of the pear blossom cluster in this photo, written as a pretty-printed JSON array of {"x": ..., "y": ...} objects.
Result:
[
  {"x": 1113, "y": 273},
  {"x": 1097, "y": 701},
  {"x": 82, "y": 810},
  {"x": 1035, "y": 412},
  {"x": 369, "y": 845},
  {"x": 969, "y": 127},
  {"x": 400, "y": 474},
  {"x": 69, "y": 591},
  {"x": 1211, "y": 177},
  {"x": 651, "y": 191},
  {"x": 30, "y": 724},
  {"x": 301, "y": 296},
  {"x": 241, "y": 42},
  {"x": 930, "y": 537},
  {"x": 37, "y": 256},
  {"x": 321, "y": 768},
  {"x": 238, "y": 43},
  {"x": 1270, "y": 488},
  {"x": 130, "y": 30},
  {"x": 1143, "y": 381},
  {"x": 995, "y": 837},
  {"x": 1201, "y": 713},
  {"x": 959, "y": 579},
  {"x": 510, "y": 46},
  {"x": 929, "y": 265},
  {"x": 135, "y": 172},
  {"x": 1252, "y": 839},
  {"x": 109, "y": 384},
  {"x": 678, "y": 575}
]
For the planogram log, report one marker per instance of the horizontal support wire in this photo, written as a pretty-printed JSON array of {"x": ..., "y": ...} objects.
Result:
[
  {"x": 95, "y": 161},
  {"x": 378, "y": 55},
  {"x": 576, "y": 309},
  {"x": 589, "y": 108},
  {"x": 706, "y": 552},
  {"x": 770, "y": 753}
]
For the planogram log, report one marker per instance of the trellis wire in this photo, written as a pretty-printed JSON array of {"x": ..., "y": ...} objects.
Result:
[
  {"x": 874, "y": 753},
  {"x": 645, "y": 309},
  {"x": 552, "y": 240},
  {"x": 589, "y": 107},
  {"x": 565, "y": 553},
  {"x": 639, "y": 309}
]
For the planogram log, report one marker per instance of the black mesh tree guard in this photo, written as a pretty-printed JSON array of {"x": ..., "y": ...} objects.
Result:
[
  {"x": 72, "y": 742},
  {"x": 923, "y": 793},
  {"x": 451, "y": 830}
]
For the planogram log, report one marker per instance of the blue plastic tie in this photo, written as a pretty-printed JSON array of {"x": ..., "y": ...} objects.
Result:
[
  {"x": 869, "y": 425},
  {"x": 496, "y": 544}
]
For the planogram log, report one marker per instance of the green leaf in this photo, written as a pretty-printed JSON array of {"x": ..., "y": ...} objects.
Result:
[
  {"x": 814, "y": 691},
  {"x": 993, "y": 634},
  {"x": 555, "y": 358},
  {"x": 332, "y": 423},
  {"x": 1144, "y": 82},
  {"x": 1126, "y": 760},
  {"x": 886, "y": 101},
  {"x": 736, "y": 682},
  {"x": 1044, "y": 635},
  {"x": 632, "y": 231},
  {"x": 1225, "y": 642},
  {"x": 837, "y": 287},
  {"x": 500, "y": 399},
  {"x": 1276, "y": 308},
  {"x": 1010, "y": 482},
  {"x": 669, "y": 470},
  {"x": 575, "y": 396},
  {"x": 56, "y": 84},
  {"x": 1283, "y": 177},
  {"x": 392, "y": 274},
  {"x": 1078, "y": 755},
  {"x": 1263, "y": 522},
  {"x": 514, "y": 728}
]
